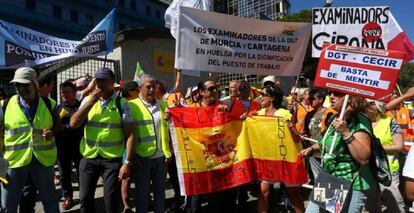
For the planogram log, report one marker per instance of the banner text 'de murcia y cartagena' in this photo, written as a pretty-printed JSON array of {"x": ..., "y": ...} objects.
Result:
[
  {"x": 214, "y": 152},
  {"x": 21, "y": 46},
  {"x": 359, "y": 71},
  {"x": 214, "y": 42}
]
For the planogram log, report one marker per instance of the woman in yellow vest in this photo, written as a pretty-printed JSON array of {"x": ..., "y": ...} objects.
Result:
[
  {"x": 30, "y": 123},
  {"x": 391, "y": 136}
]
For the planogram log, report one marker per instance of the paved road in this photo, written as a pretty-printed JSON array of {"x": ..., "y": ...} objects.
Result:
[{"x": 275, "y": 207}]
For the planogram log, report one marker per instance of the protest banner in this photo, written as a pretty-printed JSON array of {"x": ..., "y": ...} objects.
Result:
[
  {"x": 21, "y": 46},
  {"x": 359, "y": 71},
  {"x": 214, "y": 152},
  {"x": 368, "y": 27},
  {"x": 216, "y": 42}
]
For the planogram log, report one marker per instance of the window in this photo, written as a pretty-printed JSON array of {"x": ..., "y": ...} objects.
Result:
[
  {"x": 57, "y": 12},
  {"x": 133, "y": 5},
  {"x": 31, "y": 4},
  {"x": 158, "y": 14},
  {"x": 148, "y": 10},
  {"x": 89, "y": 20},
  {"x": 74, "y": 16},
  {"x": 121, "y": 26},
  {"x": 121, "y": 3}
]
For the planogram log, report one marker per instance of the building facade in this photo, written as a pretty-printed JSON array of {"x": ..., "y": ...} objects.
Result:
[{"x": 71, "y": 19}]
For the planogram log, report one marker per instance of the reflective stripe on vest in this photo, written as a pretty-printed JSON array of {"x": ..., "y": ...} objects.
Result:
[
  {"x": 103, "y": 134},
  {"x": 383, "y": 131},
  {"x": 146, "y": 135},
  {"x": 20, "y": 136},
  {"x": 104, "y": 125}
]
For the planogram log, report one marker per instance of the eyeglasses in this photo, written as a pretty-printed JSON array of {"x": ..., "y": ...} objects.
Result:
[
  {"x": 212, "y": 88},
  {"x": 336, "y": 94},
  {"x": 21, "y": 85}
]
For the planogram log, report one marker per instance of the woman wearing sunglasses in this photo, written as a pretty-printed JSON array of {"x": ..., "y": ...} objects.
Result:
[{"x": 351, "y": 151}]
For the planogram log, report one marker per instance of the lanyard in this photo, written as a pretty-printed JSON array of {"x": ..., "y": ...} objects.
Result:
[{"x": 29, "y": 112}]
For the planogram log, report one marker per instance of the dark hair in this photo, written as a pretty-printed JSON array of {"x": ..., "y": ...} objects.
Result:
[
  {"x": 275, "y": 92},
  {"x": 45, "y": 79},
  {"x": 203, "y": 85},
  {"x": 160, "y": 85},
  {"x": 68, "y": 83},
  {"x": 318, "y": 93},
  {"x": 128, "y": 86}
]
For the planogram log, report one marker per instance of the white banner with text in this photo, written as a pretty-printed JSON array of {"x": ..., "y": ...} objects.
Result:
[{"x": 216, "y": 42}]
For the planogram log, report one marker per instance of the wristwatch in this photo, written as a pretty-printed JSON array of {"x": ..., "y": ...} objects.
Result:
[{"x": 127, "y": 162}]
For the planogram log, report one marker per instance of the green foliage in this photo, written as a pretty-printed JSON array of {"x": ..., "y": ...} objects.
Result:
[
  {"x": 301, "y": 16},
  {"x": 406, "y": 79}
]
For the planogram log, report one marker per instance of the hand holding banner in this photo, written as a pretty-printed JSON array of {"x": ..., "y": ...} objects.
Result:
[{"x": 359, "y": 71}]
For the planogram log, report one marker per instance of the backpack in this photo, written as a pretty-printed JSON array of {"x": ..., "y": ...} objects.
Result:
[{"x": 379, "y": 162}]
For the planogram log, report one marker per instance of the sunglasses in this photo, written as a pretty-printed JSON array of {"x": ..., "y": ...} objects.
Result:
[
  {"x": 21, "y": 85},
  {"x": 212, "y": 88},
  {"x": 336, "y": 94}
]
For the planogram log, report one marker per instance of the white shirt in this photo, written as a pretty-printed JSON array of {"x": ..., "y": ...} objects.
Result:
[{"x": 408, "y": 170}]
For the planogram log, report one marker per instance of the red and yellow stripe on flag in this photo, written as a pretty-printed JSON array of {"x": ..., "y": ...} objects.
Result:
[{"x": 214, "y": 152}]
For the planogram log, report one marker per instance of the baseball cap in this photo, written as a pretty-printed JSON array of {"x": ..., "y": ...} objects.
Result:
[
  {"x": 104, "y": 73},
  {"x": 270, "y": 78},
  {"x": 25, "y": 75}
]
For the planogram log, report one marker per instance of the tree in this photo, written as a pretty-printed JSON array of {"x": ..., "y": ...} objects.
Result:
[{"x": 406, "y": 79}]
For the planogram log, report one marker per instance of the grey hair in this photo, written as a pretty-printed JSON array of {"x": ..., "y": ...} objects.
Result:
[{"x": 143, "y": 77}]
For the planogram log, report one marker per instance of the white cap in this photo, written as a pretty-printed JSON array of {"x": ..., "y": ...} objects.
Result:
[
  {"x": 270, "y": 78},
  {"x": 25, "y": 75}
]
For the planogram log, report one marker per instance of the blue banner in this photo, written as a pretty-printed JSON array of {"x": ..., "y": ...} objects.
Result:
[{"x": 21, "y": 46}]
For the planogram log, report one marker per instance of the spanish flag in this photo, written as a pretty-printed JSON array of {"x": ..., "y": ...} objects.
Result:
[{"x": 214, "y": 152}]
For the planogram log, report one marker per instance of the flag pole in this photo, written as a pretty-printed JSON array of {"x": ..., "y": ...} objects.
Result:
[{"x": 106, "y": 55}]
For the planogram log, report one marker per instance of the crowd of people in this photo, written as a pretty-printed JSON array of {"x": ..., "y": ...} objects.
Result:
[{"x": 119, "y": 132}]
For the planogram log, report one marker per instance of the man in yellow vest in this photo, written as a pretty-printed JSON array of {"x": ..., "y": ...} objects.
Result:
[
  {"x": 152, "y": 146},
  {"x": 30, "y": 123},
  {"x": 108, "y": 126}
]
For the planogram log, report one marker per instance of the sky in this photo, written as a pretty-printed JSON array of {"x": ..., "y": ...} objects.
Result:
[{"x": 401, "y": 9}]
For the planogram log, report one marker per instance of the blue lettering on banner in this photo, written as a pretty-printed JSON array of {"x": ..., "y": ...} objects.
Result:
[
  {"x": 354, "y": 71},
  {"x": 364, "y": 81},
  {"x": 379, "y": 61},
  {"x": 336, "y": 55}
]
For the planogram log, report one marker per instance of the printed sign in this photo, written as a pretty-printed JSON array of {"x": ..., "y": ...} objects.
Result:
[
  {"x": 21, "y": 46},
  {"x": 216, "y": 42},
  {"x": 364, "y": 72},
  {"x": 368, "y": 27}
]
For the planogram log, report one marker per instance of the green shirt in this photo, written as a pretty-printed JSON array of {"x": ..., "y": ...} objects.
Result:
[{"x": 340, "y": 163}]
